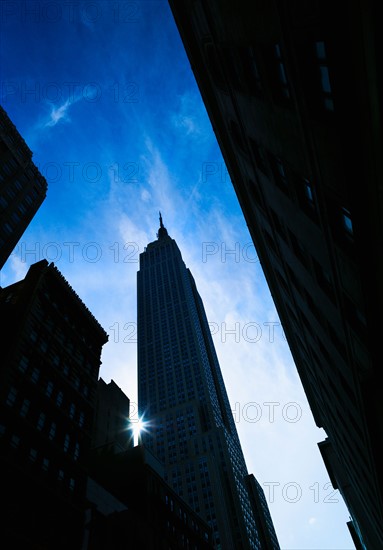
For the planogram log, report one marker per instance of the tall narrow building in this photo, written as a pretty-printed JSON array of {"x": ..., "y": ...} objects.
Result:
[{"x": 182, "y": 397}]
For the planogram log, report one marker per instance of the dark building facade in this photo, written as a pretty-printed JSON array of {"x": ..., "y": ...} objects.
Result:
[
  {"x": 111, "y": 423},
  {"x": 182, "y": 396},
  {"x": 293, "y": 90},
  {"x": 131, "y": 506},
  {"x": 22, "y": 187},
  {"x": 69, "y": 475},
  {"x": 51, "y": 347},
  {"x": 267, "y": 535}
]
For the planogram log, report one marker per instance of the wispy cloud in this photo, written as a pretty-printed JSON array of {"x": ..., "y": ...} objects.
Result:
[
  {"x": 88, "y": 19},
  {"x": 50, "y": 117},
  {"x": 145, "y": 195},
  {"x": 189, "y": 118},
  {"x": 187, "y": 123},
  {"x": 59, "y": 113}
]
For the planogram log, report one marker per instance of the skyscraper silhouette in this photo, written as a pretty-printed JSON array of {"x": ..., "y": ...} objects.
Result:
[{"x": 182, "y": 396}]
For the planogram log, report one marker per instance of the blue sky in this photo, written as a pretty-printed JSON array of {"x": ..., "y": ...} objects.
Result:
[{"x": 103, "y": 94}]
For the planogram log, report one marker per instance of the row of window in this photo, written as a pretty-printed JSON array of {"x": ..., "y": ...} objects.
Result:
[
  {"x": 33, "y": 454},
  {"x": 354, "y": 314},
  {"x": 45, "y": 464},
  {"x": 24, "y": 407},
  {"x": 51, "y": 391},
  {"x": 300, "y": 189},
  {"x": 261, "y": 70},
  {"x": 54, "y": 329}
]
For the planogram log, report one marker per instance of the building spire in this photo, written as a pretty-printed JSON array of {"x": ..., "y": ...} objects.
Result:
[{"x": 162, "y": 232}]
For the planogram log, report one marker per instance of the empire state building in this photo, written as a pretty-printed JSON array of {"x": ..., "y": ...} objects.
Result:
[{"x": 182, "y": 398}]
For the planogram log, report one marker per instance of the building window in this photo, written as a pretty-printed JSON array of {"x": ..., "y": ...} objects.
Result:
[
  {"x": 15, "y": 218},
  {"x": 22, "y": 209},
  {"x": 15, "y": 441},
  {"x": 280, "y": 172},
  {"x": 347, "y": 222},
  {"x": 76, "y": 452},
  {"x": 25, "y": 407},
  {"x": 33, "y": 455},
  {"x": 3, "y": 203},
  {"x": 66, "y": 443},
  {"x": 43, "y": 346},
  {"x": 320, "y": 52},
  {"x": 7, "y": 228},
  {"x": 35, "y": 375},
  {"x": 41, "y": 421},
  {"x": 309, "y": 193},
  {"x": 281, "y": 72},
  {"x": 72, "y": 410},
  {"x": 81, "y": 419},
  {"x": 59, "y": 398},
  {"x": 52, "y": 431},
  {"x": 11, "y": 398},
  {"x": 7, "y": 168},
  {"x": 23, "y": 364},
  {"x": 305, "y": 192},
  {"x": 49, "y": 388}
]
